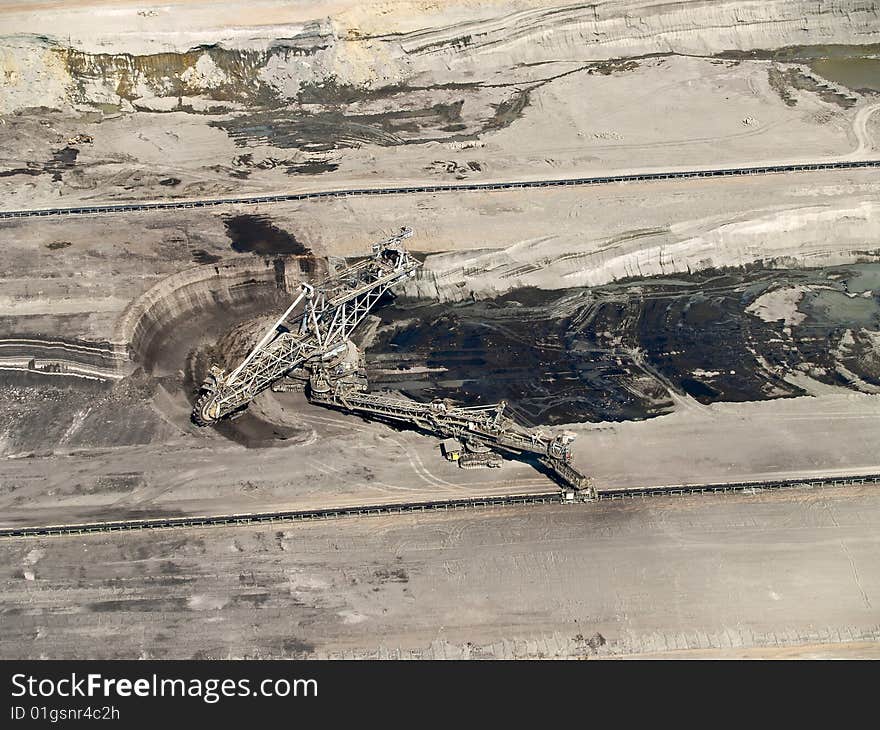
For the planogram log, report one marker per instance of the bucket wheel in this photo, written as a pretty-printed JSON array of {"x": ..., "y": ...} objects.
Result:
[{"x": 203, "y": 408}]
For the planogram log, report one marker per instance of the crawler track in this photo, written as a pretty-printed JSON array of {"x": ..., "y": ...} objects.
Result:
[
  {"x": 449, "y": 187},
  {"x": 166, "y": 523}
]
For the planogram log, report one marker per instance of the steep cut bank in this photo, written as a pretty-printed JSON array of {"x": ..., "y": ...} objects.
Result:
[
  {"x": 179, "y": 312},
  {"x": 37, "y": 355},
  {"x": 792, "y": 238},
  {"x": 130, "y": 60},
  {"x": 390, "y": 29},
  {"x": 190, "y": 306}
]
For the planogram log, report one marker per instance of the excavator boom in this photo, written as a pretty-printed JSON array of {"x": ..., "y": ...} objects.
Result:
[
  {"x": 329, "y": 313},
  {"x": 312, "y": 335}
]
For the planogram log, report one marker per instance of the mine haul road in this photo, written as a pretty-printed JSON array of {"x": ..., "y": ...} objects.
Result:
[{"x": 449, "y": 187}]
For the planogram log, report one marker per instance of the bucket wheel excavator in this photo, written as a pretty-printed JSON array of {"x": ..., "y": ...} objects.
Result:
[{"x": 308, "y": 348}]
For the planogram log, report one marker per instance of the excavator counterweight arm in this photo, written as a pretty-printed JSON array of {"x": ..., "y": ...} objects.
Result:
[{"x": 484, "y": 425}]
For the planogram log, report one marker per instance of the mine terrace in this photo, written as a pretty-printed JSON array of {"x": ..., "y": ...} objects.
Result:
[{"x": 454, "y": 330}]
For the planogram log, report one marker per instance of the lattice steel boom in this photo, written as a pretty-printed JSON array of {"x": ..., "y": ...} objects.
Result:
[
  {"x": 312, "y": 338},
  {"x": 316, "y": 326}
]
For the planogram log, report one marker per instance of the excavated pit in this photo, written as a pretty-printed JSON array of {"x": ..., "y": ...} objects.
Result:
[
  {"x": 173, "y": 331},
  {"x": 629, "y": 350},
  {"x": 620, "y": 352},
  {"x": 136, "y": 389},
  {"x": 202, "y": 303},
  {"x": 264, "y": 424},
  {"x": 625, "y": 351}
]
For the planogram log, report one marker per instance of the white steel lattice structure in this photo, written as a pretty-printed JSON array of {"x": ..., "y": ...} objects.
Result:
[
  {"x": 312, "y": 337},
  {"x": 315, "y": 327}
]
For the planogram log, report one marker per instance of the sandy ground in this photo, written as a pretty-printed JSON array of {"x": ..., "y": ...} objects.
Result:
[
  {"x": 721, "y": 575},
  {"x": 834, "y": 433},
  {"x": 430, "y": 93},
  {"x": 165, "y": 465},
  {"x": 701, "y": 114},
  {"x": 848, "y": 650},
  {"x": 197, "y": 472},
  {"x": 375, "y": 94},
  {"x": 200, "y": 472},
  {"x": 550, "y": 238}
]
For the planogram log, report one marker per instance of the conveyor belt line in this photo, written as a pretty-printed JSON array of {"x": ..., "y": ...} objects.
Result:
[
  {"x": 426, "y": 506},
  {"x": 440, "y": 188}
]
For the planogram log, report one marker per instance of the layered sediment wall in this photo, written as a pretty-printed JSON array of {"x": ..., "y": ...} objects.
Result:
[
  {"x": 793, "y": 238},
  {"x": 189, "y": 300},
  {"x": 64, "y": 357},
  {"x": 224, "y": 287},
  {"x": 124, "y": 61}
]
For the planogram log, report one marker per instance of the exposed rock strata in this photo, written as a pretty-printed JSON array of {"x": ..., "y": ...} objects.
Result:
[
  {"x": 793, "y": 238},
  {"x": 220, "y": 286},
  {"x": 381, "y": 44}
]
